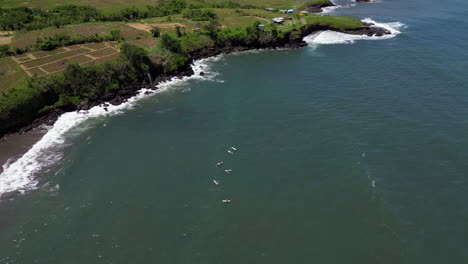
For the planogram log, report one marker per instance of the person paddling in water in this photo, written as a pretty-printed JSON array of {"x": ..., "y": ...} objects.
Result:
[
  {"x": 219, "y": 163},
  {"x": 228, "y": 200}
]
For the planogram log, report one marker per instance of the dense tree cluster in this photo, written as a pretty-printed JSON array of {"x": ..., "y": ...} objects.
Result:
[
  {"x": 201, "y": 14},
  {"x": 24, "y": 18},
  {"x": 63, "y": 39}
]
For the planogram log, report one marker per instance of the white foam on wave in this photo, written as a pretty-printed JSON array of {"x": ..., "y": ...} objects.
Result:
[
  {"x": 21, "y": 174},
  {"x": 329, "y": 9},
  {"x": 333, "y": 37}
]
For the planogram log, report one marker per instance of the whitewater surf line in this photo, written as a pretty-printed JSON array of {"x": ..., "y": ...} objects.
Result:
[
  {"x": 334, "y": 37},
  {"x": 20, "y": 175},
  {"x": 329, "y": 9}
]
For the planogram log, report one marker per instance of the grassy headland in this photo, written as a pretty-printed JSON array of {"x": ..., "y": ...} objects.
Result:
[{"x": 58, "y": 70}]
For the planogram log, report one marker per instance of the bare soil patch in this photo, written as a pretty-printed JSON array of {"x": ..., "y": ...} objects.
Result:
[
  {"x": 5, "y": 40},
  {"x": 148, "y": 27}
]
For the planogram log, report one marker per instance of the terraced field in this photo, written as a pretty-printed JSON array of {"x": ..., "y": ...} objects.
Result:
[
  {"x": 27, "y": 39},
  {"x": 41, "y": 63}
]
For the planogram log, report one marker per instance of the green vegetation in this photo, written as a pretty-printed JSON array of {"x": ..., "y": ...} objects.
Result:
[
  {"x": 5, "y": 50},
  {"x": 24, "y": 41},
  {"x": 176, "y": 31},
  {"x": 77, "y": 83},
  {"x": 203, "y": 14},
  {"x": 335, "y": 22},
  {"x": 11, "y": 73},
  {"x": 119, "y": 4},
  {"x": 170, "y": 43},
  {"x": 155, "y": 32},
  {"x": 24, "y": 18},
  {"x": 30, "y": 19},
  {"x": 62, "y": 39}
]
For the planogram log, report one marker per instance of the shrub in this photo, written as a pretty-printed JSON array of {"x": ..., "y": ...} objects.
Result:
[
  {"x": 212, "y": 28},
  {"x": 155, "y": 31},
  {"x": 202, "y": 14},
  {"x": 5, "y": 50},
  {"x": 62, "y": 39},
  {"x": 178, "y": 31},
  {"x": 171, "y": 43}
]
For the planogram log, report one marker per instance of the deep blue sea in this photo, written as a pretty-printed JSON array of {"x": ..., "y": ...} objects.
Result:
[{"x": 348, "y": 151}]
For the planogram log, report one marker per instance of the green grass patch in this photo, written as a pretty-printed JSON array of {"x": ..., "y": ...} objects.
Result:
[
  {"x": 11, "y": 73},
  {"x": 342, "y": 22},
  {"x": 195, "y": 40}
]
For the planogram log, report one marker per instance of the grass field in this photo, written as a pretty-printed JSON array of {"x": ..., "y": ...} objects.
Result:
[
  {"x": 227, "y": 18},
  {"x": 115, "y": 4},
  {"x": 337, "y": 22},
  {"x": 11, "y": 73},
  {"x": 102, "y": 4}
]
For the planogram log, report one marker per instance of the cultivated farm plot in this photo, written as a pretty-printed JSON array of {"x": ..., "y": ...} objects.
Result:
[
  {"x": 41, "y": 63},
  {"x": 27, "y": 39},
  {"x": 145, "y": 43},
  {"x": 111, "y": 57}
]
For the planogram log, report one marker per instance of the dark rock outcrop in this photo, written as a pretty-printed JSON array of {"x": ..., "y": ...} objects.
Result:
[
  {"x": 317, "y": 8},
  {"x": 27, "y": 116}
]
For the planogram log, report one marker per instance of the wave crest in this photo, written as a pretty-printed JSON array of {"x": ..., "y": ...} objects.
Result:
[
  {"x": 20, "y": 175},
  {"x": 333, "y": 37}
]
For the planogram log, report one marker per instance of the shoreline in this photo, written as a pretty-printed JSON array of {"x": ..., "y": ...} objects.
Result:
[
  {"x": 14, "y": 146},
  {"x": 19, "y": 143}
]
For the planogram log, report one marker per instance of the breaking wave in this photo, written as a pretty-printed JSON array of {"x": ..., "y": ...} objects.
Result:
[
  {"x": 20, "y": 175},
  {"x": 333, "y": 37},
  {"x": 329, "y": 9}
]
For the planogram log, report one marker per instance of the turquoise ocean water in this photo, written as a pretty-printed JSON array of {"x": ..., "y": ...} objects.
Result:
[{"x": 347, "y": 153}]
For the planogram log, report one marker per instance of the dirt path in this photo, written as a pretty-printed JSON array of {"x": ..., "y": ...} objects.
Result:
[
  {"x": 5, "y": 40},
  {"x": 5, "y": 37},
  {"x": 148, "y": 27}
]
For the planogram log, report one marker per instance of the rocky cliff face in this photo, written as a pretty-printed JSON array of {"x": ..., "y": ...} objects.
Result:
[
  {"x": 317, "y": 8},
  {"x": 28, "y": 115},
  {"x": 24, "y": 114}
]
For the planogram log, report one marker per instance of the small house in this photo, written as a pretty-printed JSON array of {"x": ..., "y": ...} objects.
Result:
[
  {"x": 261, "y": 26},
  {"x": 278, "y": 20},
  {"x": 283, "y": 11},
  {"x": 290, "y": 11}
]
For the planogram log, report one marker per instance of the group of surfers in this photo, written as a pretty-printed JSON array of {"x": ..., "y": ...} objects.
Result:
[{"x": 230, "y": 151}]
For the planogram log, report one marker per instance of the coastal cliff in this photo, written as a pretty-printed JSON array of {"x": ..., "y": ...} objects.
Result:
[{"x": 139, "y": 69}]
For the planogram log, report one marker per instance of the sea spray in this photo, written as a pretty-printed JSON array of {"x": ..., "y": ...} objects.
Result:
[
  {"x": 21, "y": 175},
  {"x": 329, "y": 9},
  {"x": 333, "y": 37}
]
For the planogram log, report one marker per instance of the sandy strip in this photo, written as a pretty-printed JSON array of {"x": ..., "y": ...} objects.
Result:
[{"x": 14, "y": 146}]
